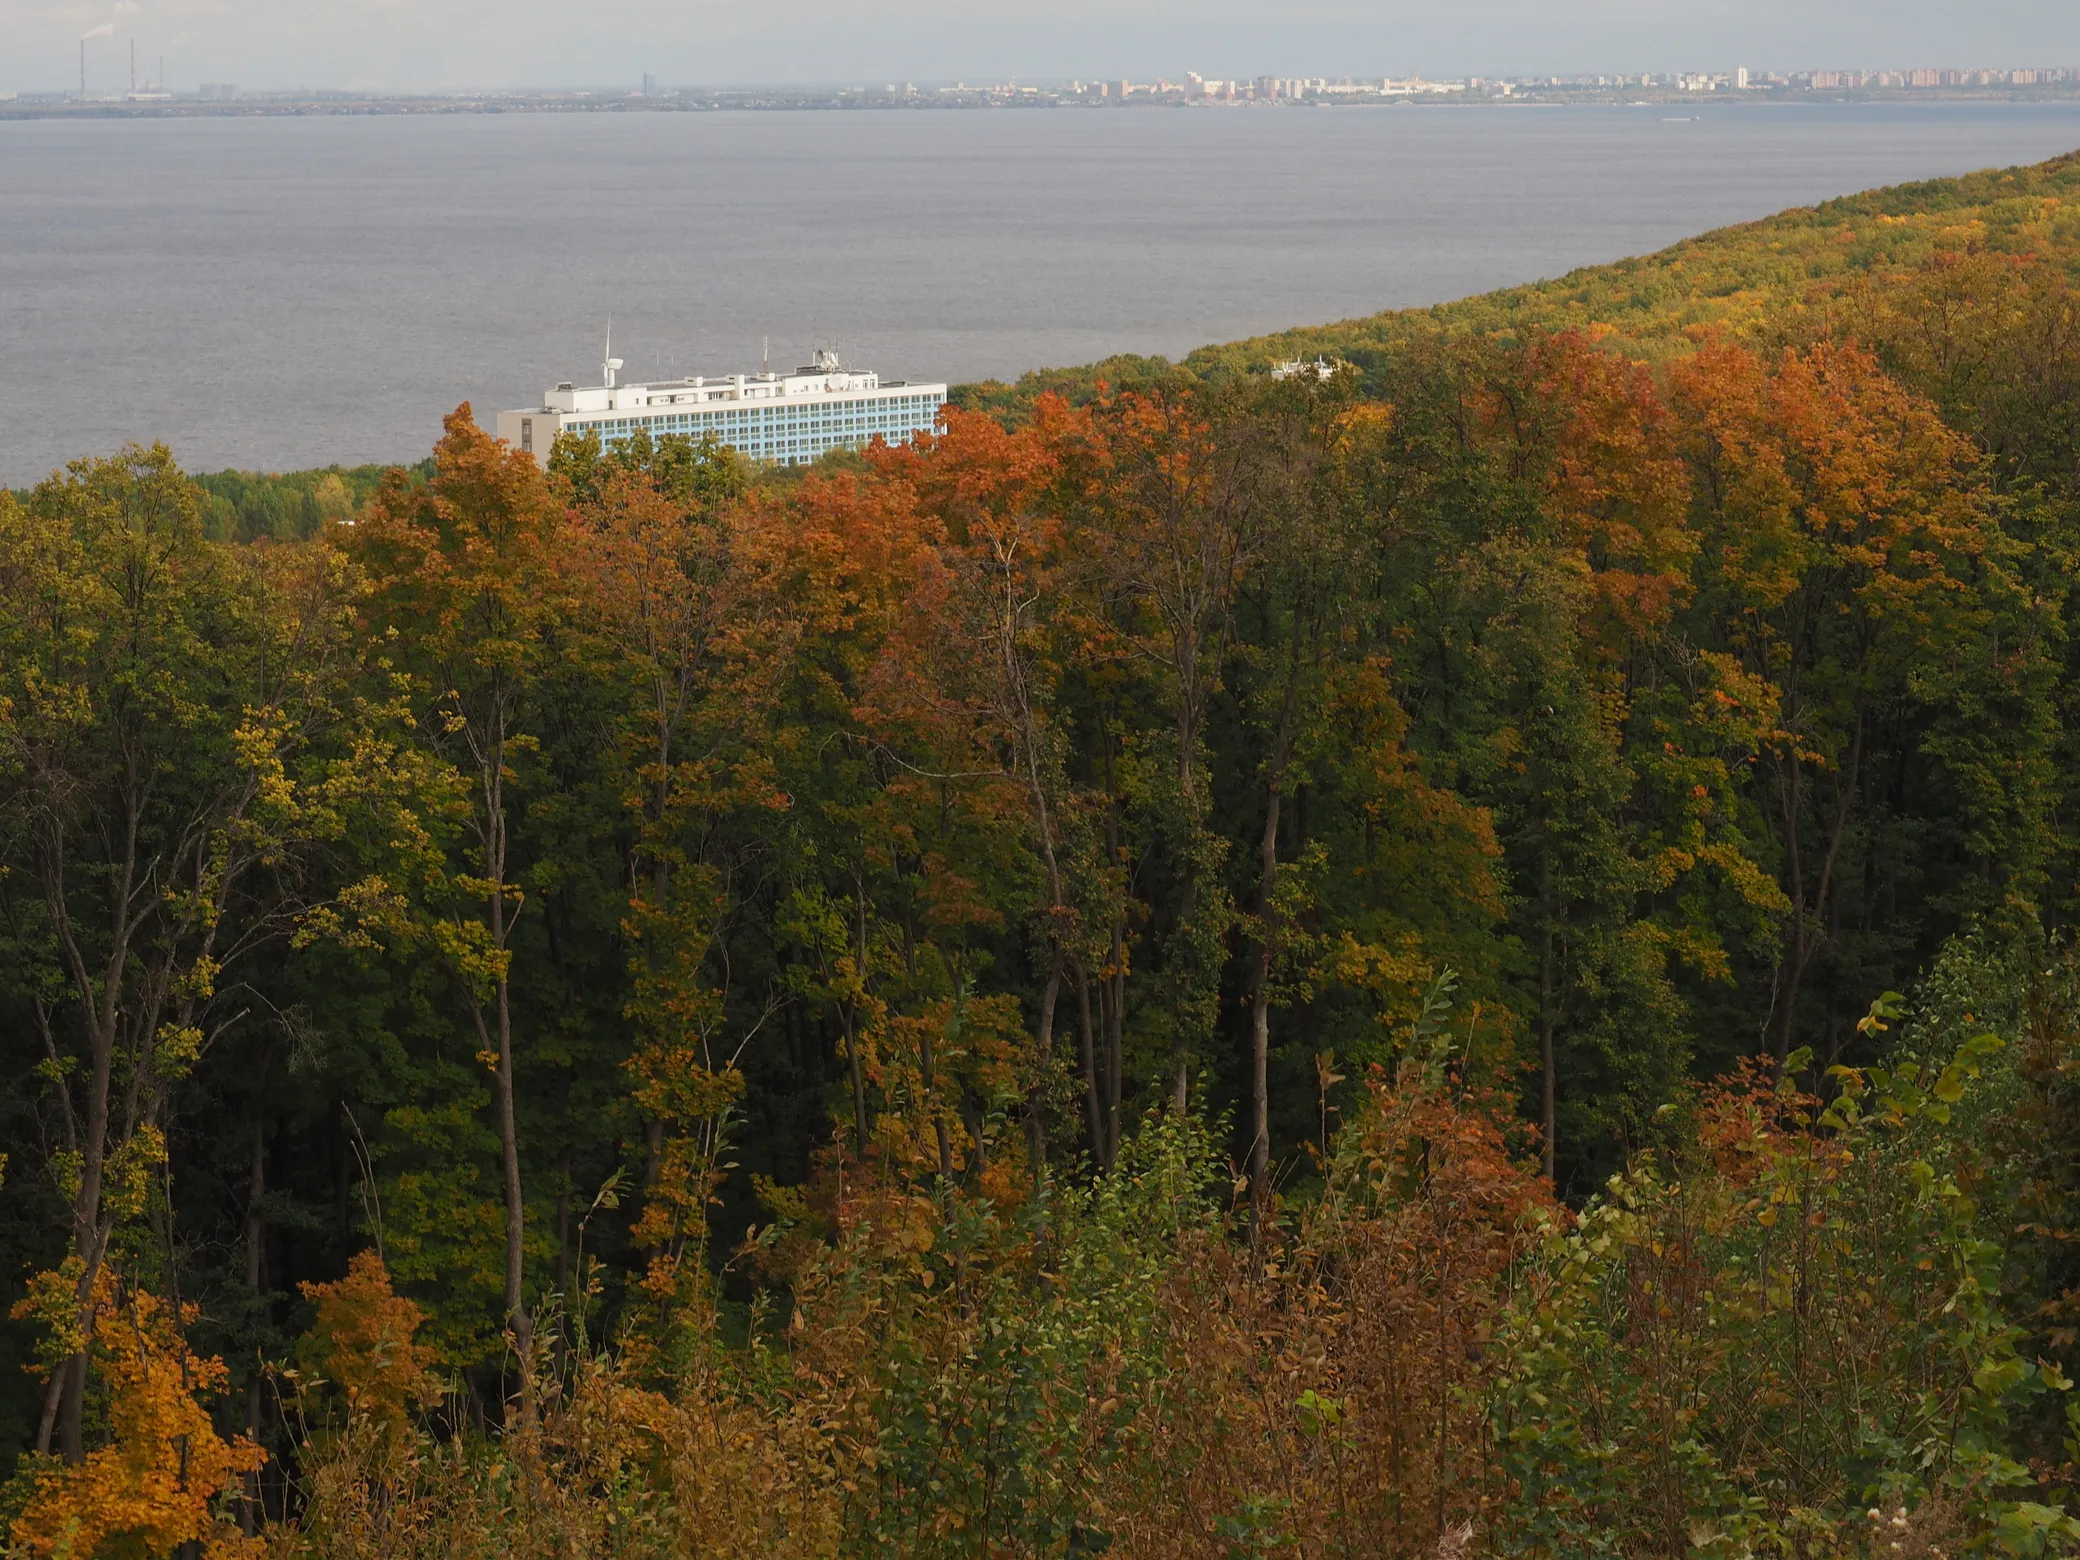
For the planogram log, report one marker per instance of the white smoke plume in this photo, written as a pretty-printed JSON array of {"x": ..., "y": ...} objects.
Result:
[{"x": 105, "y": 30}]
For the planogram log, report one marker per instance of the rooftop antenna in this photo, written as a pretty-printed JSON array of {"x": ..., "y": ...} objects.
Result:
[
  {"x": 765, "y": 350},
  {"x": 612, "y": 362}
]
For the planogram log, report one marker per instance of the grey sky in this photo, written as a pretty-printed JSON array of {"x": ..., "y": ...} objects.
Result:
[{"x": 481, "y": 43}]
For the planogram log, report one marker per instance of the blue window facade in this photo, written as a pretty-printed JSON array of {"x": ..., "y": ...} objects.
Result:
[{"x": 784, "y": 433}]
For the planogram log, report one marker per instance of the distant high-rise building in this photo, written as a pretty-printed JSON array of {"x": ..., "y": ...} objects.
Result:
[
  {"x": 649, "y": 85},
  {"x": 1740, "y": 79}
]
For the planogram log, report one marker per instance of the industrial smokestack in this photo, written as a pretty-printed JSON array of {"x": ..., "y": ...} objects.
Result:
[{"x": 105, "y": 30}]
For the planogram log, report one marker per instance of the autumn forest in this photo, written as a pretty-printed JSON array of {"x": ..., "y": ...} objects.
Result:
[{"x": 1467, "y": 953}]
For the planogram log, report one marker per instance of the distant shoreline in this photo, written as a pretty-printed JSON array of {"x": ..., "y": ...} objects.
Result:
[{"x": 328, "y": 105}]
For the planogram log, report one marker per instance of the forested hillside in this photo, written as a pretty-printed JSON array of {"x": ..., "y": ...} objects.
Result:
[
  {"x": 1809, "y": 274},
  {"x": 1465, "y": 954}
]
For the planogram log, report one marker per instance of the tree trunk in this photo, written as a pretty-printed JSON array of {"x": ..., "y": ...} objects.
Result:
[
  {"x": 925, "y": 1059},
  {"x": 1087, "y": 1045},
  {"x": 1181, "y": 1041},
  {"x": 1795, "y": 929},
  {"x": 1036, "y": 1123},
  {"x": 1188, "y": 905},
  {"x": 850, "y": 1014},
  {"x": 64, "y": 1407},
  {"x": 250, "y": 1515},
  {"x": 508, "y": 1115},
  {"x": 859, "y": 974},
  {"x": 1115, "y": 1044},
  {"x": 1267, "y": 939},
  {"x": 1548, "y": 1069},
  {"x": 563, "y": 1224},
  {"x": 516, "y": 1207},
  {"x": 1260, "y": 1022},
  {"x": 1113, "y": 993}
]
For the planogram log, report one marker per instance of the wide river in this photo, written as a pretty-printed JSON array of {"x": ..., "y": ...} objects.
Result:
[{"x": 275, "y": 293}]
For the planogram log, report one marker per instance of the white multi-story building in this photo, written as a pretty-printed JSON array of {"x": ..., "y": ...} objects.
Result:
[{"x": 780, "y": 419}]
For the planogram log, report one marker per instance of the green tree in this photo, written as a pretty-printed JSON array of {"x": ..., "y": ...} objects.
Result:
[
  {"x": 468, "y": 570},
  {"x": 165, "y": 705}
]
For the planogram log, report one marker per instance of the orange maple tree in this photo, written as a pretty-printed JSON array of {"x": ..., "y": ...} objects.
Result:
[
  {"x": 362, "y": 1342},
  {"x": 152, "y": 1487}
]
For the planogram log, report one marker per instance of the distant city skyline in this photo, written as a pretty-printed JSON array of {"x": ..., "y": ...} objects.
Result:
[
  {"x": 147, "y": 96},
  {"x": 433, "y": 45}
]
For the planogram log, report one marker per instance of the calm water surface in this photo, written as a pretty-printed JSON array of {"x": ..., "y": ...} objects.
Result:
[{"x": 276, "y": 293}]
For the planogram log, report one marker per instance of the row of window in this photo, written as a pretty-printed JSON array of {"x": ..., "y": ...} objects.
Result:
[
  {"x": 871, "y": 415},
  {"x": 787, "y": 434}
]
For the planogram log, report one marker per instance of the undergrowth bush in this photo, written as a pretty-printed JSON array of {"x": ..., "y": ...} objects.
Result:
[{"x": 1826, "y": 1315}]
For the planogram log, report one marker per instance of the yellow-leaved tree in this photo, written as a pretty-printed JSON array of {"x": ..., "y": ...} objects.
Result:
[
  {"x": 153, "y": 1485},
  {"x": 363, "y": 1343}
]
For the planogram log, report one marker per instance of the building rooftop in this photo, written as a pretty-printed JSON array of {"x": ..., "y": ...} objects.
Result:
[{"x": 826, "y": 376}]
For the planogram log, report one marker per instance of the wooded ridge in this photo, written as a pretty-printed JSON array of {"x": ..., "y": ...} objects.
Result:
[{"x": 1469, "y": 953}]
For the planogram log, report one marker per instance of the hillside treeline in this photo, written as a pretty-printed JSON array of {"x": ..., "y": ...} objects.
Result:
[{"x": 1464, "y": 954}]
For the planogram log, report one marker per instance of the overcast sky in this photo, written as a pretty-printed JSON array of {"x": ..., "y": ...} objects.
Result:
[{"x": 494, "y": 43}]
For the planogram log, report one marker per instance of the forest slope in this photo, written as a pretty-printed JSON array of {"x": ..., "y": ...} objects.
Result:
[
  {"x": 1799, "y": 274},
  {"x": 1466, "y": 955}
]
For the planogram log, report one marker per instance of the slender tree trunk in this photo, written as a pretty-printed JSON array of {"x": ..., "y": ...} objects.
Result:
[
  {"x": 1115, "y": 1045},
  {"x": 1188, "y": 906},
  {"x": 660, "y": 886},
  {"x": 1548, "y": 1069},
  {"x": 1058, "y": 914},
  {"x": 1267, "y": 939},
  {"x": 1114, "y": 990},
  {"x": 1036, "y": 1101},
  {"x": 1087, "y": 1046},
  {"x": 563, "y": 1224},
  {"x": 1260, "y": 1023},
  {"x": 850, "y": 1015},
  {"x": 65, "y": 1395},
  {"x": 859, "y": 952},
  {"x": 516, "y": 1206},
  {"x": 1796, "y": 935},
  {"x": 560, "y": 1343},
  {"x": 62, "y": 1396},
  {"x": 342, "y": 1184},
  {"x": 976, "y": 1121},
  {"x": 925, "y": 1058},
  {"x": 508, "y": 1116},
  {"x": 1181, "y": 1038},
  {"x": 249, "y": 1514}
]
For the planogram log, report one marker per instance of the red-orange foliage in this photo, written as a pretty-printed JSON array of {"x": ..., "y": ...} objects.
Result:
[
  {"x": 1345, "y": 1380},
  {"x": 1615, "y": 481},
  {"x": 362, "y": 1342}
]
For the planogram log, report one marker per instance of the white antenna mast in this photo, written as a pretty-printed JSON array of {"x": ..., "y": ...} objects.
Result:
[
  {"x": 765, "y": 354},
  {"x": 612, "y": 362}
]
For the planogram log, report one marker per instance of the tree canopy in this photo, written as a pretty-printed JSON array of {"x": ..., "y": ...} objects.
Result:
[{"x": 1464, "y": 951}]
